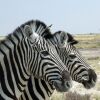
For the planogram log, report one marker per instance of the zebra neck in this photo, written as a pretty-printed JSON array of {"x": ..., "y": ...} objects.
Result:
[{"x": 13, "y": 60}]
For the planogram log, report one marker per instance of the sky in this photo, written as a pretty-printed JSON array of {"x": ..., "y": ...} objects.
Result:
[{"x": 73, "y": 16}]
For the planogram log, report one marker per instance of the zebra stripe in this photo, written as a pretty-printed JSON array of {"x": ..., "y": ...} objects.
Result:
[
  {"x": 18, "y": 61},
  {"x": 77, "y": 66}
]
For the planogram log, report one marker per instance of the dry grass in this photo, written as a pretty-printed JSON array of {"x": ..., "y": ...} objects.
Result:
[
  {"x": 2, "y": 37},
  {"x": 88, "y": 41},
  {"x": 76, "y": 96},
  {"x": 70, "y": 96},
  {"x": 95, "y": 63},
  {"x": 57, "y": 96},
  {"x": 86, "y": 37}
]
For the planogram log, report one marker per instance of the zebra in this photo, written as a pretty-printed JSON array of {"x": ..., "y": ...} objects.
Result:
[
  {"x": 80, "y": 71},
  {"x": 24, "y": 53}
]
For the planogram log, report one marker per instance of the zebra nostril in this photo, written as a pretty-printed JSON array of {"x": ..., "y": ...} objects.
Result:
[
  {"x": 92, "y": 75},
  {"x": 68, "y": 84}
]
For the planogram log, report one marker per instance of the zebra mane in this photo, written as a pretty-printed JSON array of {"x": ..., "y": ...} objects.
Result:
[
  {"x": 40, "y": 28},
  {"x": 37, "y": 26},
  {"x": 69, "y": 36},
  {"x": 16, "y": 32}
]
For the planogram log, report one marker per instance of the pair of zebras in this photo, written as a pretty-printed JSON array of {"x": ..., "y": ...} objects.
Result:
[{"x": 34, "y": 62}]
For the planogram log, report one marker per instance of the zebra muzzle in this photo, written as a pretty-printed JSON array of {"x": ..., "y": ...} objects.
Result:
[
  {"x": 91, "y": 81},
  {"x": 66, "y": 76},
  {"x": 65, "y": 83}
]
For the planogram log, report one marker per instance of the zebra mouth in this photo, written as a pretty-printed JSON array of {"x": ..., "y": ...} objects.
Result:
[
  {"x": 63, "y": 87},
  {"x": 65, "y": 83},
  {"x": 92, "y": 80},
  {"x": 89, "y": 84}
]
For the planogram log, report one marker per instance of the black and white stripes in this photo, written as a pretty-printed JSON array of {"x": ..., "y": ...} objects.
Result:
[
  {"x": 23, "y": 54},
  {"x": 78, "y": 68}
]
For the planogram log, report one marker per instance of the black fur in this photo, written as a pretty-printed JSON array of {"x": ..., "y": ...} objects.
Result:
[{"x": 71, "y": 39}]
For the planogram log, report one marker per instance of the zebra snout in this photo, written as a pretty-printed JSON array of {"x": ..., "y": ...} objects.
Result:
[
  {"x": 64, "y": 83},
  {"x": 92, "y": 75},
  {"x": 67, "y": 79},
  {"x": 62, "y": 86},
  {"x": 92, "y": 79},
  {"x": 68, "y": 84},
  {"x": 66, "y": 76}
]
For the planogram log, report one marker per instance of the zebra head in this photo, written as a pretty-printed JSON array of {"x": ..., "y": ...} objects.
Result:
[
  {"x": 41, "y": 89},
  {"x": 47, "y": 64},
  {"x": 64, "y": 44},
  {"x": 79, "y": 69}
]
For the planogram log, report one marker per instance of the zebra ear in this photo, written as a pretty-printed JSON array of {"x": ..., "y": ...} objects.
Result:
[
  {"x": 31, "y": 35},
  {"x": 28, "y": 31},
  {"x": 71, "y": 39},
  {"x": 74, "y": 42},
  {"x": 60, "y": 38},
  {"x": 63, "y": 39}
]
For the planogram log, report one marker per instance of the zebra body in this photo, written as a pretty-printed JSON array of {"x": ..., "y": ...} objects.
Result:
[
  {"x": 77, "y": 66},
  {"x": 23, "y": 54}
]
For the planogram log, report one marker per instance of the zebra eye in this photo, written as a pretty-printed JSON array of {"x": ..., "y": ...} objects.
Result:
[
  {"x": 72, "y": 56},
  {"x": 45, "y": 53}
]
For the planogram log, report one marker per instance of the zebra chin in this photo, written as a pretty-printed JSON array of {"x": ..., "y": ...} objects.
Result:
[
  {"x": 91, "y": 81},
  {"x": 63, "y": 86}
]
